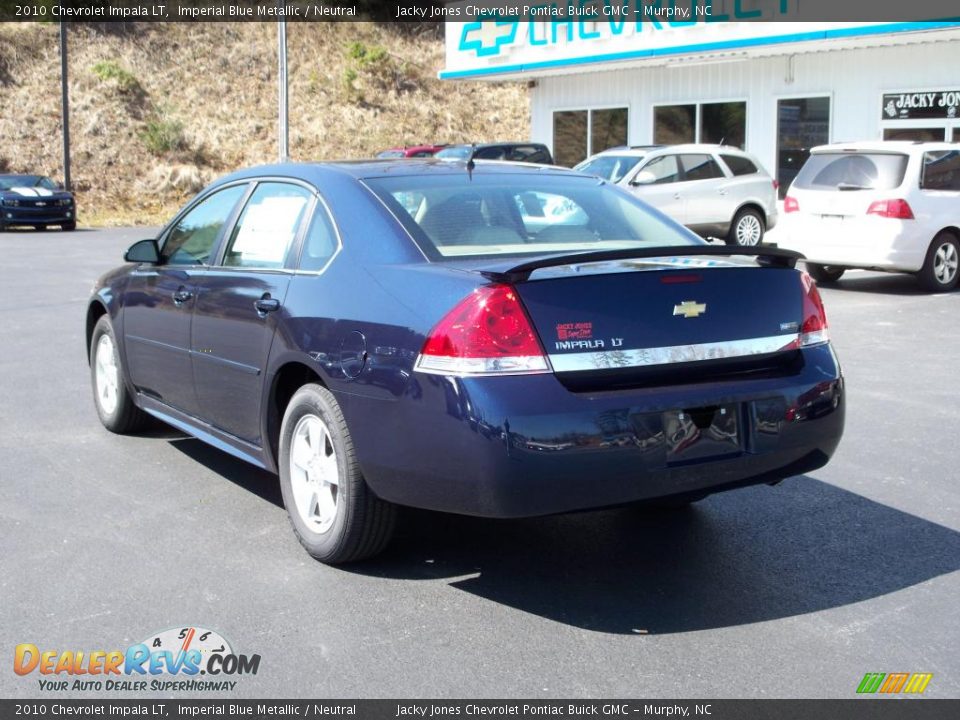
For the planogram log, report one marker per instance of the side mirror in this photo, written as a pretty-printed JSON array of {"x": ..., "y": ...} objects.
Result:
[
  {"x": 644, "y": 177},
  {"x": 144, "y": 251}
]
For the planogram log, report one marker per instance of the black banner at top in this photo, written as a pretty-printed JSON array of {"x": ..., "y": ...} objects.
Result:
[{"x": 671, "y": 12}]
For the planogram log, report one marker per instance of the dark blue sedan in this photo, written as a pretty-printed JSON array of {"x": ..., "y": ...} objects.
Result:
[
  {"x": 498, "y": 339},
  {"x": 35, "y": 201}
]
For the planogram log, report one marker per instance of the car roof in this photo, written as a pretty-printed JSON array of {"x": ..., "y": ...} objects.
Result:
[
  {"x": 396, "y": 167},
  {"x": 903, "y": 146},
  {"x": 641, "y": 150}
]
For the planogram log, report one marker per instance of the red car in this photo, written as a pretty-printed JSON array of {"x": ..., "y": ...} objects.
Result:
[{"x": 411, "y": 151}]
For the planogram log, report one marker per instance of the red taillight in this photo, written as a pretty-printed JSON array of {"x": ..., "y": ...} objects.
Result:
[
  {"x": 813, "y": 329},
  {"x": 790, "y": 204},
  {"x": 487, "y": 333},
  {"x": 896, "y": 209}
]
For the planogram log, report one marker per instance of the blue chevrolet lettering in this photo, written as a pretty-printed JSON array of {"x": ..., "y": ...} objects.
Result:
[{"x": 492, "y": 339}]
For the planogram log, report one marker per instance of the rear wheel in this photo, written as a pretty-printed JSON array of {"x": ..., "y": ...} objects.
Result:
[
  {"x": 825, "y": 273},
  {"x": 941, "y": 269},
  {"x": 335, "y": 515},
  {"x": 747, "y": 228},
  {"x": 113, "y": 401}
]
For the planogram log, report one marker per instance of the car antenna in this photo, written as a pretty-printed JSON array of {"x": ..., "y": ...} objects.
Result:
[{"x": 470, "y": 163}]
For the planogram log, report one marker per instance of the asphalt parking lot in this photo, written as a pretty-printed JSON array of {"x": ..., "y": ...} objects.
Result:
[{"x": 791, "y": 591}]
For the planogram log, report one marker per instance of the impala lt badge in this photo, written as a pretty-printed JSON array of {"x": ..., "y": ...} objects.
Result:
[{"x": 690, "y": 309}]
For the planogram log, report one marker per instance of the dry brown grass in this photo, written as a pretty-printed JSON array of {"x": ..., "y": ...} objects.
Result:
[{"x": 158, "y": 110}]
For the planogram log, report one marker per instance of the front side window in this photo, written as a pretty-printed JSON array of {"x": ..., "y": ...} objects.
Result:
[
  {"x": 941, "y": 170},
  {"x": 700, "y": 167},
  {"x": 664, "y": 169},
  {"x": 522, "y": 214},
  {"x": 192, "y": 240},
  {"x": 267, "y": 226}
]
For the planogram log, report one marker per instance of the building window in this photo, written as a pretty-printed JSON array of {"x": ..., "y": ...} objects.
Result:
[
  {"x": 723, "y": 123},
  {"x": 674, "y": 124},
  {"x": 923, "y": 134},
  {"x": 941, "y": 170},
  {"x": 608, "y": 128},
  {"x": 716, "y": 123},
  {"x": 802, "y": 123},
  {"x": 578, "y": 134}
]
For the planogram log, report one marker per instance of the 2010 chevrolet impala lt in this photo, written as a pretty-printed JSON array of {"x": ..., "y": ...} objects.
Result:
[{"x": 499, "y": 339}]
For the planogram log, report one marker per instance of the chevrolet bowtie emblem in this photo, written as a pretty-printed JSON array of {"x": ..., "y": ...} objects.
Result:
[{"x": 690, "y": 309}]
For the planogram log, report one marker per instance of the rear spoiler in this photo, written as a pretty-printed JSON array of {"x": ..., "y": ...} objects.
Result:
[{"x": 766, "y": 255}]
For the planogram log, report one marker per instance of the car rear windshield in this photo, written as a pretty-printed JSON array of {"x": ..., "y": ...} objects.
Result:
[
  {"x": 852, "y": 171},
  {"x": 479, "y": 215},
  {"x": 609, "y": 167}
]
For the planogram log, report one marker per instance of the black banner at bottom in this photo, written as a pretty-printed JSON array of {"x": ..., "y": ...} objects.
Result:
[{"x": 854, "y": 709}]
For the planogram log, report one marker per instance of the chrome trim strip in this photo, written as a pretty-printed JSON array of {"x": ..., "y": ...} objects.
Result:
[{"x": 646, "y": 357}]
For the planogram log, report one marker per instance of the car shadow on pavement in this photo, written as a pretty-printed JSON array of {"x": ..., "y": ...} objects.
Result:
[
  {"x": 878, "y": 283},
  {"x": 741, "y": 557},
  {"x": 242, "y": 474}
]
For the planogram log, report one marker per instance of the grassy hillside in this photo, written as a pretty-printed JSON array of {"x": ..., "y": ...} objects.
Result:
[{"x": 158, "y": 110}]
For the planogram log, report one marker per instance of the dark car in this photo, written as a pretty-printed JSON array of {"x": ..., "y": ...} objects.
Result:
[
  {"x": 35, "y": 200},
  {"x": 493, "y": 339},
  {"x": 517, "y": 152},
  {"x": 410, "y": 151}
]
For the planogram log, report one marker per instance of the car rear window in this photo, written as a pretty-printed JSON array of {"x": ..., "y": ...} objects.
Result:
[
  {"x": 740, "y": 165},
  {"x": 852, "y": 171},
  {"x": 609, "y": 167},
  {"x": 498, "y": 214}
]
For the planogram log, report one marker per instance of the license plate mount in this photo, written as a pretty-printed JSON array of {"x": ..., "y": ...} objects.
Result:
[{"x": 705, "y": 433}]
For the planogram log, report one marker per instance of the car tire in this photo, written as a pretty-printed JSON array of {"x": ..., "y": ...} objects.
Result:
[
  {"x": 113, "y": 400},
  {"x": 941, "y": 269},
  {"x": 68, "y": 227},
  {"x": 825, "y": 274},
  {"x": 334, "y": 514},
  {"x": 747, "y": 228}
]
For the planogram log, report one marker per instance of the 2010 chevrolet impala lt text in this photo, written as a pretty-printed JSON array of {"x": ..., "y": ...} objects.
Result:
[{"x": 490, "y": 339}]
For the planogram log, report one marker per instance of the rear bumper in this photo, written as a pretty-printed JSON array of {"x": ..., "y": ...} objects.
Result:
[
  {"x": 526, "y": 446},
  {"x": 867, "y": 242}
]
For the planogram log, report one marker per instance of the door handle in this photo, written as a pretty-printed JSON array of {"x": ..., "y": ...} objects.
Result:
[
  {"x": 266, "y": 304},
  {"x": 722, "y": 191},
  {"x": 181, "y": 296},
  {"x": 676, "y": 196}
]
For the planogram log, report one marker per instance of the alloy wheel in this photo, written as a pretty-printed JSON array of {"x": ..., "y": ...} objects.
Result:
[{"x": 314, "y": 474}]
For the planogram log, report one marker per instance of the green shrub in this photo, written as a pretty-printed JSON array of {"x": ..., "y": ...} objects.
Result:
[
  {"x": 164, "y": 136},
  {"x": 108, "y": 70}
]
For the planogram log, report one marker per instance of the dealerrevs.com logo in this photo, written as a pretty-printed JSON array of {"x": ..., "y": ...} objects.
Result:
[{"x": 179, "y": 659}]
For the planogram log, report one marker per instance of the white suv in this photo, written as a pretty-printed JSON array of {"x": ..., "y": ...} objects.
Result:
[
  {"x": 715, "y": 190},
  {"x": 892, "y": 206}
]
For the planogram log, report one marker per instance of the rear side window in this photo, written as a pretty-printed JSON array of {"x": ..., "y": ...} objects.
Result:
[
  {"x": 700, "y": 167},
  {"x": 852, "y": 171},
  {"x": 941, "y": 170},
  {"x": 267, "y": 226},
  {"x": 320, "y": 243},
  {"x": 740, "y": 165}
]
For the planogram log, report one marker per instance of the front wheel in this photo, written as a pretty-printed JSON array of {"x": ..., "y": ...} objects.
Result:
[
  {"x": 747, "y": 228},
  {"x": 114, "y": 404},
  {"x": 67, "y": 227},
  {"x": 825, "y": 273},
  {"x": 940, "y": 270},
  {"x": 335, "y": 515}
]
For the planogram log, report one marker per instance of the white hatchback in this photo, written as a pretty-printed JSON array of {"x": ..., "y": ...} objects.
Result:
[
  {"x": 715, "y": 190},
  {"x": 892, "y": 206}
]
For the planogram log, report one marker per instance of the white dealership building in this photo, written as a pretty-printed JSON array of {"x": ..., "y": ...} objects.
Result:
[{"x": 775, "y": 88}]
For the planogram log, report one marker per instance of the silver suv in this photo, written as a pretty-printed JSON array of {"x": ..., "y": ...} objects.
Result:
[{"x": 715, "y": 190}]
